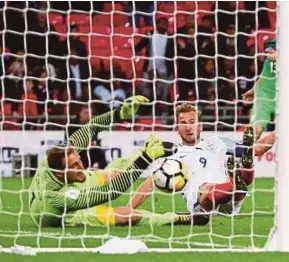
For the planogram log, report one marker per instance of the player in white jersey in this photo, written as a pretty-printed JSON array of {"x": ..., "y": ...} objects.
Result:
[{"x": 209, "y": 185}]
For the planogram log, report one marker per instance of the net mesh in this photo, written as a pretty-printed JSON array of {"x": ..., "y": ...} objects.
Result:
[{"x": 62, "y": 62}]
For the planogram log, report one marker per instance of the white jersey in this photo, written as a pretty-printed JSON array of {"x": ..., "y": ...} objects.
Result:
[{"x": 206, "y": 163}]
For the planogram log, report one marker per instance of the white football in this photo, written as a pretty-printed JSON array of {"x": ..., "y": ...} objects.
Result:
[{"x": 170, "y": 174}]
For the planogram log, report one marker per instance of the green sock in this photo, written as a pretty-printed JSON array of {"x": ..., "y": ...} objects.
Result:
[{"x": 155, "y": 219}]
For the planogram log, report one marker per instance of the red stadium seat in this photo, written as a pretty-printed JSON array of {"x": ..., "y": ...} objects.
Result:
[
  {"x": 102, "y": 20},
  {"x": 55, "y": 18},
  {"x": 167, "y": 7},
  {"x": 122, "y": 42},
  {"x": 101, "y": 29},
  {"x": 7, "y": 109},
  {"x": 61, "y": 29},
  {"x": 181, "y": 6},
  {"x": 110, "y": 6},
  {"x": 96, "y": 63},
  {"x": 120, "y": 19},
  {"x": 272, "y": 13},
  {"x": 79, "y": 19},
  {"x": 123, "y": 52},
  {"x": 180, "y": 20},
  {"x": 85, "y": 29},
  {"x": 100, "y": 51},
  {"x": 125, "y": 30},
  {"x": 100, "y": 41},
  {"x": 202, "y": 5}
]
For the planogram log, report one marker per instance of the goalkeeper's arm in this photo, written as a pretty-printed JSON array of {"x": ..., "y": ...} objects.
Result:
[{"x": 82, "y": 137}]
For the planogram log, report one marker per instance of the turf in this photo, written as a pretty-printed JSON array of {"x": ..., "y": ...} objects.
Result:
[
  {"x": 168, "y": 257},
  {"x": 249, "y": 229}
]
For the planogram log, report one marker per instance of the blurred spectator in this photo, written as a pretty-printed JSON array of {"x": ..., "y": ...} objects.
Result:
[
  {"x": 39, "y": 42},
  {"x": 186, "y": 63},
  {"x": 226, "y": 15},
  {"x": 17, "y": 67},
  {"x": 75, "y": 41},
  {"x": 205, "y": 36},
  {"x": 143, "y": 9},
  {"x": 249, "y": 72},
  {"x": 42, "y": 92},
  {"x": 206, "y": 86},
  {"x": 75, "y": 74},
  {"x": 15, "y": 25},
  {"x": 227, "y": 84},
  {"x": 253, "y": 9},
  {"x": 229, "y": 13},
  {"x": 77, "y": 5},
  {"x": 28, "y": 105},
  {"x": 226, "y": 42},
  {"x": 94, "y": 155},
  {"x": 116, "y": 90},
  {"x": 190, "y": 23},
  {"x": 160, "y": 66}
]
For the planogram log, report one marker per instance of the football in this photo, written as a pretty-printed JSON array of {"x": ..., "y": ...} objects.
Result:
[{"x": 170, "y": 175}]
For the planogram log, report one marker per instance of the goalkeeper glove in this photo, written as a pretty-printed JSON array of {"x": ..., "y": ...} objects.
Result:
[
  {"x": 154, "y": 148},
  {"x": 131, "y": 106}
]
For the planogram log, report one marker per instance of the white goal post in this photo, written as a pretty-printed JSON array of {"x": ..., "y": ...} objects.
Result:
[{"x": 279, "y": 239}]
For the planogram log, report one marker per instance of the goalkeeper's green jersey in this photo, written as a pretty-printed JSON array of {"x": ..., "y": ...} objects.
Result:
[
  {"x": 266, "y": 87},
  {"x": 50, "y": 199}
]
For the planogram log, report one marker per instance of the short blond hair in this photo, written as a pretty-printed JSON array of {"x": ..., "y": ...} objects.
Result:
[{"x": 185, "y": 108}]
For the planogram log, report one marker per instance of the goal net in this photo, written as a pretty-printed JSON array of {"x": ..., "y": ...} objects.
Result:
[{"x": 63, "y": 62}]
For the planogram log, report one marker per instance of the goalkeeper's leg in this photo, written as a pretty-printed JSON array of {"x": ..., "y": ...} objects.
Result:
[{"x": 124, "y": 216}]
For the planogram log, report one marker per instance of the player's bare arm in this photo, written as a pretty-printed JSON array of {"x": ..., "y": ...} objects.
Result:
[
  {"x": 142, "y": 193},
  {"x": 249, "y": 95},
  {"x": 264, "y": 144}
]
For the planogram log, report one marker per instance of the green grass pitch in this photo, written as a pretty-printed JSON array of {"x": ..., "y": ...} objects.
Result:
[{"x": 249, "y": 229}]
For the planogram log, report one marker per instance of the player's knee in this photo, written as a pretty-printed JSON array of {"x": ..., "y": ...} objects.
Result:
[
  {"x": 203, "y": 197},
  {"x": 206, "y": 203},
  {"x": 248, "y": 175}
]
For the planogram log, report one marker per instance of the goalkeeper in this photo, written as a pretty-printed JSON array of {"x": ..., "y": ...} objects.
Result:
[
  {"x": 63, "y": 193},
  {"x": 265, "y": 92}
]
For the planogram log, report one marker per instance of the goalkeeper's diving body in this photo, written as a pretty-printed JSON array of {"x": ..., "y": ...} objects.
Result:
[{"x": 63, "y": 193}]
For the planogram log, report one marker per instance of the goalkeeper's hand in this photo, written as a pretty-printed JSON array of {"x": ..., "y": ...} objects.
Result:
[
  {"x": 131, "y": 106},
  {"x": 155, "y": 148}
]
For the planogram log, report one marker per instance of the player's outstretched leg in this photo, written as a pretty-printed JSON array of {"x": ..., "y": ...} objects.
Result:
[
  {"x": 125, "y": 216},
  {"x": 211, "y": 196}
]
